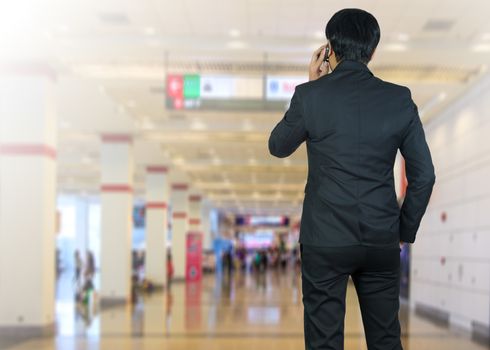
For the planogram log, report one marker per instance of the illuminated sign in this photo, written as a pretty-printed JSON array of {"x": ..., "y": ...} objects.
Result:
[
  {"x": 175, "y": 91},
  {"x": 192, "y": 86},
  {"x": 225, "y": 87},
  {"x": 260, "y": 239},
  {"x": 282, "y": 88},
  {"x": 223, "y": 92},
  {"x": 216, "y": 87},
  {"x": 252, "y": 220}
]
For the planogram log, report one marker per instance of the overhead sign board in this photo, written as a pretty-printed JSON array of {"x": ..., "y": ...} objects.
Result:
[{"x": 282, "y": 88}]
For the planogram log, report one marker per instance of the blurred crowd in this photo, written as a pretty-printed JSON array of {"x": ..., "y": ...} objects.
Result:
[{"x": 260, "y": 260}]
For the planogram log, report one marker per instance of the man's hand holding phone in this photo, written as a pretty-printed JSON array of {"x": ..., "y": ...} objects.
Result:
[{"x": 318, "y": 65}]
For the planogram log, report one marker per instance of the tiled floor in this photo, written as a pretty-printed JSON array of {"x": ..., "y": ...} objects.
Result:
[{"x": 237, "y": 312}]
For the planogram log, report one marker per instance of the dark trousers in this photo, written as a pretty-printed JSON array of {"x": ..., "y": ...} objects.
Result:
[{"x": 376, "y": 275}]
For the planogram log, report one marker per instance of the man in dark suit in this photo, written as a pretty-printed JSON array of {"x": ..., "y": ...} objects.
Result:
[{"x": 354, "y": 124}]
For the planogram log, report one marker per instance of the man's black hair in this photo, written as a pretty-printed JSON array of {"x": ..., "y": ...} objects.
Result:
[{"x": 353, "y": 35}]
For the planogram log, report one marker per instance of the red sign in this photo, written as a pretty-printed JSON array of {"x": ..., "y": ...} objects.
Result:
[
  {"x": 178, "y": 103},
  {"x": 193, "y": 270},
  {"x": 175, "y": 86}
]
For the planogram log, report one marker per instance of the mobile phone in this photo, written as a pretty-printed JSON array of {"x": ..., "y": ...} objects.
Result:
[{"x": 327, "y": 53}]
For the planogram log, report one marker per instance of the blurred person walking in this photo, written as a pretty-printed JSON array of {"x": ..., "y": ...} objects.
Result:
[
  {"x": 170, "y": 269},
  {"x": 89, "y": 266},
  {"x": 78, "y": 268},
  {"x": 353, "y": 124}
]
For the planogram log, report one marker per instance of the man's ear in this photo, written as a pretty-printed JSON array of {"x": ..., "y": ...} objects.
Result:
[{"x": 372, "y": 55}]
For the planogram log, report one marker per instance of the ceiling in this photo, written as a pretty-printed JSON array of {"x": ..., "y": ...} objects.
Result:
[{"x": 112, "y": 57}]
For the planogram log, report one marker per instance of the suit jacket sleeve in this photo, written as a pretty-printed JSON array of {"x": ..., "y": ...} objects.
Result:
[
  {"x": 420, "y": 176},
  {"x": 290, "y": 132}
]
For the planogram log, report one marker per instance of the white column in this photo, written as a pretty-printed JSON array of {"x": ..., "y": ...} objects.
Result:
[
  {"x": 195, "y": 213},
  {"x": 27, "y": 199},
  {"x": 81, "y": 238},
  {"x": 116, "y": 218},
  {"x": 180, "y": 227},
  {"x": 156, "y": 224},
  {"x": 207, "y": 240}
]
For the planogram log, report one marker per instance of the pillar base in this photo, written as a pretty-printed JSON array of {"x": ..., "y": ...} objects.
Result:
[
  {"x": 435, "y": 315},
  {"x": 158, "y": 287},
  {"x": 178, "y": 279},
  {"x": 480, "y": 333},
  {"x": 110, "y": 302},
  {"x": 27, "y": 331}
]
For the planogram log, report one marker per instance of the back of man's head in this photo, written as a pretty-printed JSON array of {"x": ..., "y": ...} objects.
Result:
[{"x": 353, "y": 34}]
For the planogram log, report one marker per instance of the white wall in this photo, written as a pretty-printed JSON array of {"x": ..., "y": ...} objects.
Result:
[{"x": 451, "y": 260}]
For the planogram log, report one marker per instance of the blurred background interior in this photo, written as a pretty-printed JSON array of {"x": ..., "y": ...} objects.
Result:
[{"x": 140, "y": 208}]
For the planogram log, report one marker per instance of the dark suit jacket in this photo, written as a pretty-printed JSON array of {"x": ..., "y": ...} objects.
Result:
[{"x": 353, "y": 124}]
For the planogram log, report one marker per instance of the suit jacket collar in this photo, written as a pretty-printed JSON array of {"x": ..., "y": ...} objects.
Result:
[{"x": 346, "y": 65}]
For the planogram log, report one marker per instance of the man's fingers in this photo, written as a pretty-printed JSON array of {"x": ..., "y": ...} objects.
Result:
[
  {"x": 316, "y": 62},
  {"x": 324, "y": 67},
  {"x": 318, "y": 54}
]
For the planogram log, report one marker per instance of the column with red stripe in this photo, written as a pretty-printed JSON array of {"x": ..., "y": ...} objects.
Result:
[
  {"x": 195, "y": 212},
  {"x": 116, "y": 218},
  {"x": 180, "y": 227},
  {"x": 156, "y": 224},
  {"x": 28, "y": 167}
]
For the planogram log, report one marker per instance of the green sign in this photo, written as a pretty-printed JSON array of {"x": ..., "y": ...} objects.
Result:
[{"x": 192, "y": 86}]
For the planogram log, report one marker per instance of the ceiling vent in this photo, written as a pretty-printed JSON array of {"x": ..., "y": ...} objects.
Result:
[
  {"x": 438, "y": 25},
  {"x": 114, "y": 18}
]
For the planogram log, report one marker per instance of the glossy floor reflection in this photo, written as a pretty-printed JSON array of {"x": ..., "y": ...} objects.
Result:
[{"x": 232, "y": 312}]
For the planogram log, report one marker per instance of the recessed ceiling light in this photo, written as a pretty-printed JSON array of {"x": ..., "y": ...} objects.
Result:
[
  {"x": 402, "y": 37},
  {"x": 236, "y": 45},
  {"x": 63, "y": 28},
  {"x": 147, "y": 124},
  {"x": 179, "y": 160},
  {"x": 235, "y": 33},
  {"x": 149, "y": 30},
  {"x": 197, "y": 124},
  {"x": 48, "y": 34},
  {"x": 64, "y": 124}
]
